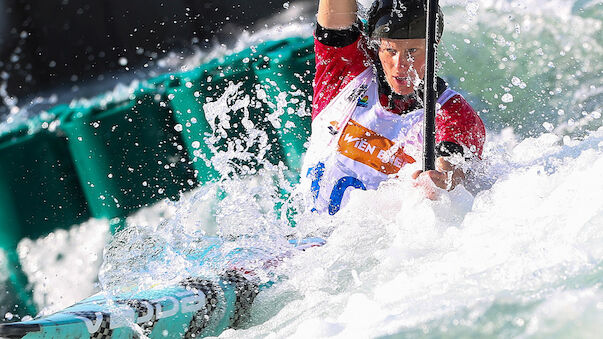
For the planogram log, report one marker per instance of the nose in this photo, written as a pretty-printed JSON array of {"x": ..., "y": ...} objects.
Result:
[{"x": 401, "y": 61}]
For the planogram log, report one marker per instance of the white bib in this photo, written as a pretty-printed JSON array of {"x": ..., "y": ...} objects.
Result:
[{"x": 357, "y": 143}]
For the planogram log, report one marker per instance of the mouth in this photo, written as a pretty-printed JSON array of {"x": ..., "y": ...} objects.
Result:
[{"x": 402, "y": 81}]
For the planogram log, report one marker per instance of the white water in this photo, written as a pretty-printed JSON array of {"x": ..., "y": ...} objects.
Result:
[
  {"x": 522, "y": 258},
  {"x": 408, "y": 264}
]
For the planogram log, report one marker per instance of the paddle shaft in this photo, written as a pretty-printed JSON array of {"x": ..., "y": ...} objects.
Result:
[{"x": 429, "y": 94}]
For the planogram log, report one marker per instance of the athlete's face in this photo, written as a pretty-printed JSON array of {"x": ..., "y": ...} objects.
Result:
[{"x": 403, "y": 63}]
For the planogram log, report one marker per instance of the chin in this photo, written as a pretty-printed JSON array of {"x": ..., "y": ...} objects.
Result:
[
  {"x": 404, "y": 91},
  {"x": 401, "y": 89}
]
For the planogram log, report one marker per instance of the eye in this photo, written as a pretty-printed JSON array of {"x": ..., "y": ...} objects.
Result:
[
  {"x": 412, "y": 50},
  {"x": 391, "y": 51}
]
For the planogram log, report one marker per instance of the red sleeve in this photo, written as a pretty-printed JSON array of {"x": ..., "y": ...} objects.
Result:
[
  {"x": 335, "y": 68},
  {"x": 457, "y": 122}
]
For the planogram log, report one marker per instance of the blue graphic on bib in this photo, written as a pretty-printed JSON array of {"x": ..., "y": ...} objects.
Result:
[{"x": 338, "y": 191}]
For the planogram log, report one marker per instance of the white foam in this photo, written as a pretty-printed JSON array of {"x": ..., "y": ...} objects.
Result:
[
  {"x": 395, "y": 260},
  {"x": 63, "y": 266},
  {"x": 3, "y": 267}
]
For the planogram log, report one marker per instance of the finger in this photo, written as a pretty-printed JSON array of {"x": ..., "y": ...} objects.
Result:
[
  {"x": 416, "y": 174},
  {"x": 425, "y": 184},
  {"x": 438, "y": 178}
]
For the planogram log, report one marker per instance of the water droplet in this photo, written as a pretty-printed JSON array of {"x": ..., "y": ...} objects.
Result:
[
  {"x": 123, "y": 61},
  {"x": 472, "y": 9},
  {"x": 548, "y": 126},
  {"x": 178, "y": 127},
  {"x": 507, "y": 97}
]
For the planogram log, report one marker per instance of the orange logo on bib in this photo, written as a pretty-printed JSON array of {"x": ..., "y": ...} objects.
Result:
[{"x": 365, "y": 146}]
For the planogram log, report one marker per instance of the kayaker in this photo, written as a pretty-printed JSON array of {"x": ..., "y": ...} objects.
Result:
[{"x": 367, "y": 107}]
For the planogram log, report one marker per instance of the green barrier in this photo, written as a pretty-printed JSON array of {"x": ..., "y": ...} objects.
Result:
[
  {"x": 16, "y": 297},
  {"x": 39, "y": 192},
  {"x": 40, "y": 182},
  {"x": 127, "y": 154},
  {"x": 186, "y": 103},
  {"x": 106, "y": 159},
  {"x": 286, "y": 76},
  {"x": 196, "y": 98}
]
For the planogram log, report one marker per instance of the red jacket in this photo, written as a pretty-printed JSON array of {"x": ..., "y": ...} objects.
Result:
[{"x": 456, "y": 121}]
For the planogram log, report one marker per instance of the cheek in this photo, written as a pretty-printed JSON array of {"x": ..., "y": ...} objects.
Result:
[
  {"x": 420, "y": 63},
  {"x": 386, "y": 63},
  {"x": 419, "y": 66}
]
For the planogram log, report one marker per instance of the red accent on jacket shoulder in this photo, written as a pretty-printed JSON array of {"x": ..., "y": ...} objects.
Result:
[
  {"x": 335, "y": 68},
  {"x": 458, "y": 122}
]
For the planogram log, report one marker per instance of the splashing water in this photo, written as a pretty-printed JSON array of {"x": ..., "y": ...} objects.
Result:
[
  {"x": 494, "y": 264},
  {"x": 527, "y": 63},
  {"x": 521, "y": 258}
]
